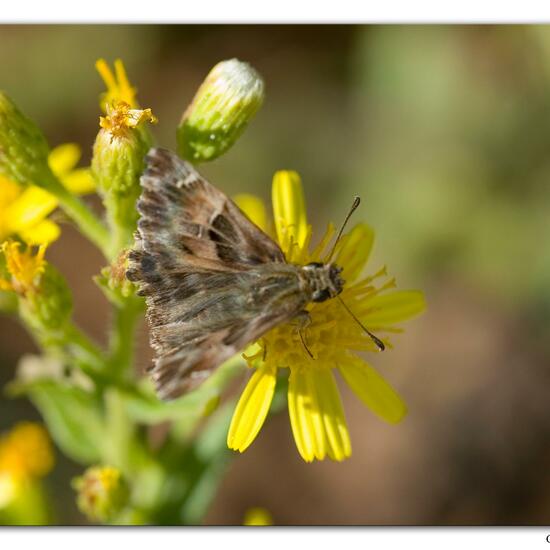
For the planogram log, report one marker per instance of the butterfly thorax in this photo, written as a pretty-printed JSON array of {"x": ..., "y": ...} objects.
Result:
[{"x": 322, "y": 281}]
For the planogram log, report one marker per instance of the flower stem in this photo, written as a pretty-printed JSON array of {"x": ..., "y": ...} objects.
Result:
[
  {"x": 122, "y": 338},
  {"x": 84, "y": 350},
  {"x": 84, "y": 218},
  {"x": 211, "y": 449}
]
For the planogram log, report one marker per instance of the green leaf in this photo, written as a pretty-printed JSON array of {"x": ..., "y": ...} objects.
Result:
[
  {"x": 73, "y": 417},
  {"x": 147, "y": 408}
]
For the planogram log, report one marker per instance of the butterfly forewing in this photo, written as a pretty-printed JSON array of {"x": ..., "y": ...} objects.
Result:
[{"x": 214, "y": 281}]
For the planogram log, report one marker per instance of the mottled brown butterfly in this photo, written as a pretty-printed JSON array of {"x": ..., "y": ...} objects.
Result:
[{"x": 214, "y": 281}]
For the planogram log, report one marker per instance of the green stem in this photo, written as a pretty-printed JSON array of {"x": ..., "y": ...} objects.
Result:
[
  {"x": 83, "y": 349},
  {"x": 120, "y": 431},
  {"x": 122, "y": 338},
  {"x": 211, "y": 449},
  {"x": 121, "y": 219},
  {"x": 84, "y": 218}
]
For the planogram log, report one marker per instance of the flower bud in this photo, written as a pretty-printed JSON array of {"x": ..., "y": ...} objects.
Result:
[
  {"x": 120, "y": 148},
  {"x": 220, "y": 111},
  {"x": 23, "y": 147},
  {"x": 113, "y": 282},
  {"x": 50, "y": 307},
  {"x": 45, "y": 301},
  {"x": 117, "y": 164},
  {"x": 101, "y": 493}
]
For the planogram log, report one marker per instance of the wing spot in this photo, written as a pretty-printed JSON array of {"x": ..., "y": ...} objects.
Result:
[
  {"x": 187, "y": 180},
  {"x": 222, "y": 225}
]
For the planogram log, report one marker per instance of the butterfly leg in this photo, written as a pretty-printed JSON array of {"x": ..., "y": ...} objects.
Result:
[
  {"x": 265, "y": 349},
  {"x": 302, "y": 321}
]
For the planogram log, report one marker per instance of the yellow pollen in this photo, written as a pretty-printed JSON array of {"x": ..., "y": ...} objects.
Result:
[
  {"x": 25, "y": 267},
  {"x": 120, "y": 117}
]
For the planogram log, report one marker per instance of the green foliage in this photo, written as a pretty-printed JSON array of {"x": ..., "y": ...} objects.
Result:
[
  {"x": 23, "y": 147},
  {"x": 97, "y": 411},
  {"x": 73, "y": 416}
]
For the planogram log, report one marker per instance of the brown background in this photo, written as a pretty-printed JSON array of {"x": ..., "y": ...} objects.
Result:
[{"x": 445, "y": 132}]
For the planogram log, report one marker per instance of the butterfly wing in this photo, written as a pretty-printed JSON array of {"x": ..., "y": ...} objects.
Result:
[{"x": 204, "y": 268}]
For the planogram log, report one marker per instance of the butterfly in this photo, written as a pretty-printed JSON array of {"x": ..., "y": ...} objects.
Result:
[{"x": 214, "y": 282}]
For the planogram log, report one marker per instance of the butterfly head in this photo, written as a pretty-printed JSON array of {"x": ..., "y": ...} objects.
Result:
[{"x": 324, "y": 280}]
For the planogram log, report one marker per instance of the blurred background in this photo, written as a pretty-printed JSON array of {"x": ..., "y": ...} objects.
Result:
[{"x": 444, "y": 131}]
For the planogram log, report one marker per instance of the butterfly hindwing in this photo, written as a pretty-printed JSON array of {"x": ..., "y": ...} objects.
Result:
[{"x": 201, "y": 263}]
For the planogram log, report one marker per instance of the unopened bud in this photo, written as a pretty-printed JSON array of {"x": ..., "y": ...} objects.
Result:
[
  {"x": 220, "y": 111},
  {"x": 119, "y": 150},
  {"x": 117, "y": 164},
  {"x": 101, "y": 493},
  {"x": 50, "y": 307},
  {"x": 23, "y": 147}
]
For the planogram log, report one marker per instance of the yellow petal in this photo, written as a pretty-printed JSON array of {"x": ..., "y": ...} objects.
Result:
[
  {"x": 391, "y": 308},
  {"x": 43, "y": 232},
  {"x": 79, "y": 181},
  {"x": 373, "y": 390},
  {"x": 10, "y": 485},
  {"x": 319, "y": 250},
  {"x": 106, "y": 74},
  {"x": 252, "y": 409},
  {"x": 253, "y": 207},
  {"x": 257, "y": 516},
  {"x": 64, "y": 158},
  {"x": 305, "y": 419},
  {"x": 126, "y": 91},
  {"x": 9, "y": 190},
  {"x": 31, "y": 207},
  {"x": 355, "y": 250},
  {"x": 289, "y": 209},
  {"x": 332, "y": 414}
]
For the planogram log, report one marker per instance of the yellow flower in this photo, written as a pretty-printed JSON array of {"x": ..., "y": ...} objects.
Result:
[
  {"x": 25, "y": 454},
  {"x": 25, "y": 267},
  {"x": 101, "y": 492},
  {"x": 24, "y": 210},
  {"x": 257, "y": 517},
  {"x": 333, "y": 338},
  {"x": 120, "y": 117},
  {"x": 117, "y": 83}
]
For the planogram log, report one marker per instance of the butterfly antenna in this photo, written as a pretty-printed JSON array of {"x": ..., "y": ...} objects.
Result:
[
  {"x": 356, "y": 202},
  {"x": 379, "y": 344}
]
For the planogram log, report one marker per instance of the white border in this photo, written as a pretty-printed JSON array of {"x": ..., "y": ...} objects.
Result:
[
  {"x": 276, "y": 11},
  {"x": 246, "y": 538}
]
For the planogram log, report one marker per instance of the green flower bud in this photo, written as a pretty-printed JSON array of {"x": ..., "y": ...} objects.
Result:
[
  {"x": 23, "y": 147},
  {"x": 101, "y": 493},
  {"x": 113, "y": 282},
  {"x": 118, "y": 161},
  {"x": 45, "y": 300},
  {"x": 47, "y": 310},
  {"x": 220, "y": 111},
  {"x": 119, "y": 150},
  {"x": 52, "y": 303}
]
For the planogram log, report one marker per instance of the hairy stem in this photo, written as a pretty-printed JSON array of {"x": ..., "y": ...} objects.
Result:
[{"x": 84, "y": 218}]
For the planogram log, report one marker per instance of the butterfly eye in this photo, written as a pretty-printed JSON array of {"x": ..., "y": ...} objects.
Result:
[{"x": 321, "y": 295}]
